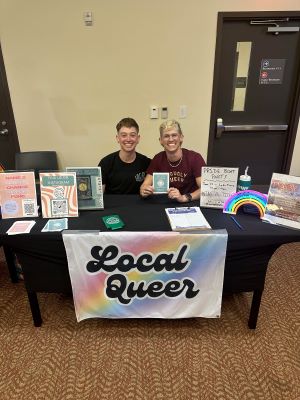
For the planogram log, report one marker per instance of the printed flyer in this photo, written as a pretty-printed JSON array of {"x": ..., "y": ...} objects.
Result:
[
  {"x": 18, "y": 195},
  {"x": 283, "y": 206},
  {"x": 59, "y": 194}
]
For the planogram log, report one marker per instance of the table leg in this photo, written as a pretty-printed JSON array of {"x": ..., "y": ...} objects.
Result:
[
  {"x": 10, "y": 260},
  {"x": 254, "y": 308},
  {"x": 35, "y": 308}
]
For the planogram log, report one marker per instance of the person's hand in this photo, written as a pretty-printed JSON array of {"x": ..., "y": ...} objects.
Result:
[
  {"x": 174, "y": 194},
  {"x": 146, "y": 191}
]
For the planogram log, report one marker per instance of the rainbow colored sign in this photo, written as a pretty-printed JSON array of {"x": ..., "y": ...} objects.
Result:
[
  {"x": 234, "y": 202},
  {"x": 146, "y": 274}
]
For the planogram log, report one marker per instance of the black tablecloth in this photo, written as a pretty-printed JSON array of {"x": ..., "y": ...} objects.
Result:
[{"x": 44, "y": 259}]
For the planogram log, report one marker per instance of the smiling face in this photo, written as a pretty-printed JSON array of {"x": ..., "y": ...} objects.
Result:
[
  {"x": 128, "y": 138},
  {"x": 171, "y": 140}
]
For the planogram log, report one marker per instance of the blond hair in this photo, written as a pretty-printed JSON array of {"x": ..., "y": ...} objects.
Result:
[{"x": 167, "y": 125}]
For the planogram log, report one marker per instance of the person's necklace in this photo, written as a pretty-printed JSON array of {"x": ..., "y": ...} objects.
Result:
[{"x": 176, "y": 165}]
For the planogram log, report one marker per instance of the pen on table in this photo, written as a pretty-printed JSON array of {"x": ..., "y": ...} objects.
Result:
[{"x": 237, "y": 223}]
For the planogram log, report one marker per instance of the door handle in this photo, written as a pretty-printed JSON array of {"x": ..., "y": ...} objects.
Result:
[
  {"x": 249, "y": 128},
  {"x": 4, "y": 132}
]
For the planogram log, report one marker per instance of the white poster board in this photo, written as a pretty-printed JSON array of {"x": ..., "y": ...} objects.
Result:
[{"x": 217, "y": 184}]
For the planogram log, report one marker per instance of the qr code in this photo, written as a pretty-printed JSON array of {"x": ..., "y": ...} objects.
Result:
[
  {"x": 59, "y": 207},
  {"x": 29, "y": 209}
]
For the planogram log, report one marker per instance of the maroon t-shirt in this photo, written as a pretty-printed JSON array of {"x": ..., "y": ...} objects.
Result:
[{"x": 183, "y": 177}]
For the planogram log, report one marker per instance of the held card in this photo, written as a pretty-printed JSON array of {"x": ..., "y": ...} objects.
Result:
[{"x": 161, "y": 182}]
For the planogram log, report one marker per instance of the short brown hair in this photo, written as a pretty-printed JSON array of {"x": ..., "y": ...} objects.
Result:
[{"x": 128, "y": 123}]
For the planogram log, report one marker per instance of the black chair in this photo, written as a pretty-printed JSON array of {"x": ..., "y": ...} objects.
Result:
[{"x": 36, "y": 160}]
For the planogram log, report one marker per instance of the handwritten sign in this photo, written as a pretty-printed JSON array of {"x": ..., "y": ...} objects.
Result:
[{"x": 217, "y": 185}]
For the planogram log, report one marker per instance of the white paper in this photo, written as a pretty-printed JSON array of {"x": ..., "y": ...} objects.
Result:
[
  {"x": 217, "y": 184},
  {"x": 187, "y": 218}
]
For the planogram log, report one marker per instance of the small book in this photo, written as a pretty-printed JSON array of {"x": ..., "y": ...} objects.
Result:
[
  {"x": 89, "y": 187},
  {"x": 186, "y": 218},
  {"x": 161, "y": 182},
  {"x": 113, "y": 222}
]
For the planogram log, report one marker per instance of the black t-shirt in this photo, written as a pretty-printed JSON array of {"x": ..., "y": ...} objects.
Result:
[{"x": 123, "y": 178}]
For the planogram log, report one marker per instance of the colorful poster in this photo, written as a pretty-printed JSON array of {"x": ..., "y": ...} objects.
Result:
[
  {"x": 58, "y": 194},
  {"x": 18, "y": 195},
  {"x": 89, "y": 187},
  {"x": 283, "y": 205},
  {"x": 146, "y": 274}
]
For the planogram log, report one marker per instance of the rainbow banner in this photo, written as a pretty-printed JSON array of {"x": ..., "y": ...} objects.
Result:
[{"x": 146, "y": 274}]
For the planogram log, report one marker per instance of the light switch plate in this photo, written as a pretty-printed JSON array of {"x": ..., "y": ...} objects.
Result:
[
  {"x": 154, "y": 112},
  {"x": 164, "y": 112}
]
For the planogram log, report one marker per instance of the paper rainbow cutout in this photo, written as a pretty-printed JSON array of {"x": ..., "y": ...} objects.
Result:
[{"x": 235, "y": 201}]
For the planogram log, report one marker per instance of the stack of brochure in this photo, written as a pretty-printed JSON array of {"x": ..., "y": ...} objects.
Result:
[{"x": 186, "y": 218}]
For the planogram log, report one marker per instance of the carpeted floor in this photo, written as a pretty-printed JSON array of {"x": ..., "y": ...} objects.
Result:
[{"x": 155, "y": 359}]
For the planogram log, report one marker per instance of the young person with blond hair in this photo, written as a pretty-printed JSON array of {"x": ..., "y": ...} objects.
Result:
[{"x": 184, "y": 166}]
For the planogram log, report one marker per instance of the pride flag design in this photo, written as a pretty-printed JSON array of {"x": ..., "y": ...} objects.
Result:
[
  {"x": 235, "y": 201},
  {"x": 183, "y": 286}
]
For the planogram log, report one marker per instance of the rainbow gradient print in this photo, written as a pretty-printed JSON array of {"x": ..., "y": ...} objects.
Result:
[
  {"x": 234, "y": 202},
  {"x": 201, "y": 278}
]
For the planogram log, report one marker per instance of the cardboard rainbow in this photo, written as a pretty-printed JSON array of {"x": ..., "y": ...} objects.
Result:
[{"x": 257, "y": 199}]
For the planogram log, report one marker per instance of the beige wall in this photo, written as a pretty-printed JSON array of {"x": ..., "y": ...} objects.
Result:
[{"x": 70, "y": 83}]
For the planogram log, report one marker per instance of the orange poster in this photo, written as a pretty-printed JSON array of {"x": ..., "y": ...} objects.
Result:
[
  {"x": 18, "y": 195},
  {"x": 59, "y": 194}
]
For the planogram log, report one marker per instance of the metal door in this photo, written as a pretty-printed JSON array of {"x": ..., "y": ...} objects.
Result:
[
  {"x": 255, "y": 104},
  {"x": 9, "y": 143}
]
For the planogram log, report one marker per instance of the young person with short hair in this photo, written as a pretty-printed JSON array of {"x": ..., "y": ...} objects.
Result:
[
  {"x": 184, "y": 166},
  {"x": 124, "y": 171}
]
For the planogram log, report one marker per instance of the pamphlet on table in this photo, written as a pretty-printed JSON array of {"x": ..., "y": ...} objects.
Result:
[
  {"x": 217, "y": 184},
  {"x": 89, "y": 187},
  {"x": 283, "y": 205},
  {"x": 186, "y": 218},
  {"x": 58, "y": 194},
  {"x": 18, "y": 195},
  {"x": 19, "y": 227},
  {"x": 56, "y": 225}
]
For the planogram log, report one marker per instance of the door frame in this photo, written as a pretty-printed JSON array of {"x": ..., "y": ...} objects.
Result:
[
  {"x": 10, "y": 119},
  {"x": 295, "y": 109}
]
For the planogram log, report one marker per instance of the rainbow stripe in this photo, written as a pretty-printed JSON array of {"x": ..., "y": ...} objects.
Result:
[{"x": 234, "y": 202}]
